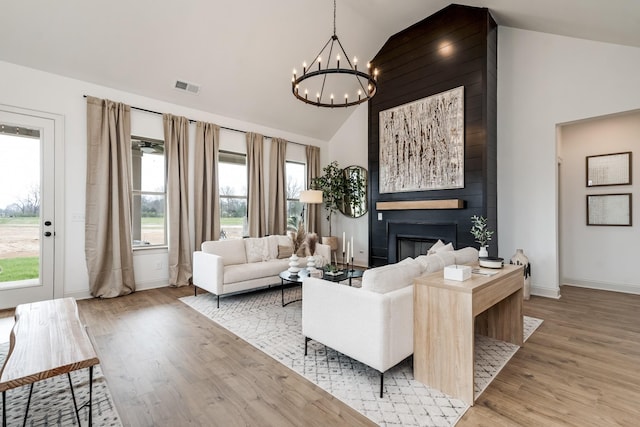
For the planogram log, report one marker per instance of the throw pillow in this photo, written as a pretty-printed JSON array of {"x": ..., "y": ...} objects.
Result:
[
  {"x": 441, "y": 247},
  {"x": 254, "y": 247},
  {"x": 437, "y": 245},
  {"x": 285, "y": 251}
]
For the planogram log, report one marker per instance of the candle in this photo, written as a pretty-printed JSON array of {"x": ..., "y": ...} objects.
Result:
[
  {"x": 352, "y": 247},
  {"x": 348, "y": 248},
  {"x": 343, "y": 241}
]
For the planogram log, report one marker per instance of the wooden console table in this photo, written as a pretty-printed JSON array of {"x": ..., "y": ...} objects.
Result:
[
  {"x": 47, "y": 340},
  {"x": 446, "y": 315}
]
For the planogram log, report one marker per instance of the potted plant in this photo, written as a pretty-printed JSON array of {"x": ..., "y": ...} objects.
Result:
[
  {"x": 481, "y": 233},
  {"x": 333, "y": 184}
]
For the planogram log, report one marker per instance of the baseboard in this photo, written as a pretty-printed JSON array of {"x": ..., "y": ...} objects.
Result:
[
  {"x": 151, "y": 284},
  {"x": 541, "y": 291},
  {"x": 140, "y": 286},
  {"x": 603, "y": 286}
]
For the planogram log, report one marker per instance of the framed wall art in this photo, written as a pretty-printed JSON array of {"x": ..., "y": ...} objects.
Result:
[
  {"x": 609, "y": 169},
  {"x": 422, "y": 144},
  {"x": 609, "y": 209}
]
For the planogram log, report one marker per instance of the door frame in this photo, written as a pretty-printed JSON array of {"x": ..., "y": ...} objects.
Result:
[{"x": 59, "y": 185}]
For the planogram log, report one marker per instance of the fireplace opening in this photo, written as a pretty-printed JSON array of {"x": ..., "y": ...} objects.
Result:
[
  {"x": 413, "y": 246},
  {"x": 419, "y": 238}
]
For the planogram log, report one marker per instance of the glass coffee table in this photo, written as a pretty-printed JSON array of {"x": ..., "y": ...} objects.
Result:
[
  {"x": 343, "y": 275},
  {"x": 289, "y": 279}
]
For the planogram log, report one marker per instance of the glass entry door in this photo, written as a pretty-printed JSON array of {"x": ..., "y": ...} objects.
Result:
[{"x": 27, "y": 223}]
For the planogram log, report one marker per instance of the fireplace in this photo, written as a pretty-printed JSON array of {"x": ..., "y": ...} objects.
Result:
[{"x": 410, "y": 239}]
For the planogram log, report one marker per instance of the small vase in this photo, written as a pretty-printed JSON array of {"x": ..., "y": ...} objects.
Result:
[
  {"x": 311, "y": 263},
  {"x": 519, "y": 258},
  {"x": 293, "y": 264},
  {"x": 483, "y": 252}
]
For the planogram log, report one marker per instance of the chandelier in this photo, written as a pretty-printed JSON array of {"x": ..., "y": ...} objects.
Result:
[{"x": 356, "y": 85}]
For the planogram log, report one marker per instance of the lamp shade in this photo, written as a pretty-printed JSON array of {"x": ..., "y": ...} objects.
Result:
[{"x": 311, "y": 196}]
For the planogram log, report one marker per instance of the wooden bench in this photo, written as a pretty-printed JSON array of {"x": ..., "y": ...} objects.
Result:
[{"x": 47, "y": 340}]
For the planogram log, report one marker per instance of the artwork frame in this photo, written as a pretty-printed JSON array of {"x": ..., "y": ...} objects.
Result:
[
  {"x": 609, "y": 209},
  {"x": 421, "y": 144},
  {"x": 608, "y": 169}
]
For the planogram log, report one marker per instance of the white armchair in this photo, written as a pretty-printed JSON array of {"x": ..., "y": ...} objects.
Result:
[{"x": 373, "y": 328}]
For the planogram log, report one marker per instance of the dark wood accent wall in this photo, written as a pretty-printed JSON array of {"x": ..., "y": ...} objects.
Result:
[{"x": 413, "y": 66}]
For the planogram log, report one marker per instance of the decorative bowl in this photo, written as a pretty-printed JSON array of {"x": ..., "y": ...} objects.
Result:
[{"x": 491, "y": 262}]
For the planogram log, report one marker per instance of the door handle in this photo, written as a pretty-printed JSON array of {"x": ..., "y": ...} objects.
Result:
[
  {"x": 47, "y": 223},
  {"x": 47, "y": 233}
]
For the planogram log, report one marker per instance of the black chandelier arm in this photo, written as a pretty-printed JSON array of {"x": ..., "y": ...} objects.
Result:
[{"x": 350, "y": 65}]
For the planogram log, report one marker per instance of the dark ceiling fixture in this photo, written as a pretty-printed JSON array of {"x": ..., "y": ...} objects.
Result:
[{"x": 348, "y": 80}]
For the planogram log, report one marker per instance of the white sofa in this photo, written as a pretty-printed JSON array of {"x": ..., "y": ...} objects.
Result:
[
  {"x": 372, "y": 324},
  {"x": 226, "y": 266}
]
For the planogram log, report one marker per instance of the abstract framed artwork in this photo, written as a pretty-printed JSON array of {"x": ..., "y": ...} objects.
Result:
[
  {"x": 422, "y": 144},
  {"x": 609, "y": 209},
  {"x": 609, "y": 169}
]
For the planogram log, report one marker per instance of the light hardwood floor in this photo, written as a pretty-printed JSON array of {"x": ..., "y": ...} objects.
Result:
[{"x": 167, "y": 365}]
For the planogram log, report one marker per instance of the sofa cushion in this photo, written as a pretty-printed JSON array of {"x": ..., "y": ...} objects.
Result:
[
  {"x": 391, "y": 277},
  {"x": 435, "y": 262},
  {"x": 232, "y": 251},
  {"x": 254, "y": 270},
  {"x": 466, "y": 255}
]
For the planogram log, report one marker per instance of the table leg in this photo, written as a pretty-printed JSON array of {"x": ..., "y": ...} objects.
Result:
[
  {"x": 282, "y": 290},
  {"x": 90, "y": 395},
  {"x": 4, "y": 408},
  {"x": 73, "y": 396}
]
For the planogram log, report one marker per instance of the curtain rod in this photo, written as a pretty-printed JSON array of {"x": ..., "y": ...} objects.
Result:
[{"x": 193, "y": 121}]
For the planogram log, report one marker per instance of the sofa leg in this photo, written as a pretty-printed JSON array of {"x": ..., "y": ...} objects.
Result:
[
  {"x": 381, "y": 383},
  {"x": 306, "y": 340},
  {"x": 195, "y": 291},
  {"x": 218, "y": 301}
]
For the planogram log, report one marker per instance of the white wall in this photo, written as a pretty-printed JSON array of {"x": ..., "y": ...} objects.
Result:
[
  {"x": 349, "y": 147},
  {"x": 545, "y": 80},
  {"x": 599, "y": 257},
  {"x": 36, "y": 90}
]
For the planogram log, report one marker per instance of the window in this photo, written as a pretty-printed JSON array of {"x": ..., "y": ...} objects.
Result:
[
  {"x": 295, "y": 184},
  {"x": 232, "y": 179},
  {"x": 149, "y": 221}
]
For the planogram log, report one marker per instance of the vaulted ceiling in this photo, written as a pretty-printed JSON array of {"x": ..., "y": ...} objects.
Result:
[{"x": 242, "y": 52}]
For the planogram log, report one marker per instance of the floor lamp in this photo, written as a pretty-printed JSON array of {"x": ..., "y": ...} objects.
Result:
[{"x": 309, "y": 197}]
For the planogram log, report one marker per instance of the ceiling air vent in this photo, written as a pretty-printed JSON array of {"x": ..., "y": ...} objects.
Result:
[{"x": 187, "y": 87}]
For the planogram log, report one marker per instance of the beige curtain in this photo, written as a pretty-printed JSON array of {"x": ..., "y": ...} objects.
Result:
[
  {"x": 255, "y": 190},
  {"x": 278, "y": 187},
  {"x": 176, "y": 142},
  {"x": 313, "y": 171},
  {"x": 107, "y": 245},
  {"x": 207, "y": 201}
]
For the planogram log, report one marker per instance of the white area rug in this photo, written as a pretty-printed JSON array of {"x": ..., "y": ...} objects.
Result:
[
  {"x": 51, "y": 402},
  {"x": 259, "y": 318}
]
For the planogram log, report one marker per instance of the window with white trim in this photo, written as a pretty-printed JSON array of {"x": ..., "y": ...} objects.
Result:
[
  {"x": 232, "y": 186},
  {"x": 149, "y": 220}
]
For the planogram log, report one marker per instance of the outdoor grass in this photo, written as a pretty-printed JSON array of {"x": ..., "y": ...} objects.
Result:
[
  {"x": 231, "y": 221},
  {"x": 19, "y": 268},
  {"x": 20, "y": 220}
]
